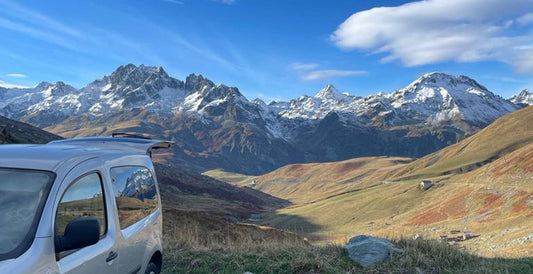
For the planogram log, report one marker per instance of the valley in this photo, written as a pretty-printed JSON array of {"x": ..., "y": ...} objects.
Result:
[{"x": 482, "y": 185}]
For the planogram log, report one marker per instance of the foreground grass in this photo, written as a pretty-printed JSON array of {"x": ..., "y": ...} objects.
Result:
[
  {"x": 419, "y": 256},
  {"x": 201, "y": 243}
]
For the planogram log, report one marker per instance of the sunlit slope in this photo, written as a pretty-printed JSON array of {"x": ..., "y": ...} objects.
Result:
[
  {"x": 229, "y": 177},
  {"x": 307, "y": 183},
  {"x": 492, "y": 198},
  {"x": 505, "y": 135}
]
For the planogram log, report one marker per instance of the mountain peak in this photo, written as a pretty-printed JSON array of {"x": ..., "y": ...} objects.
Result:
[
  {"x": 441, "y": 79},
  {"x": 129, "y": 69},
  {"x": 43, "y": 85},
  {"x": 197, "y": 82},
  {"x": 525, "y": 97},
  {"x": 330, "y": 92},
  {"x": 525, "y": 92}
]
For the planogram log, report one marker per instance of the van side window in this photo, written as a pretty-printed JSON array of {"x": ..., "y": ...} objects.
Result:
[
  {"x": 84, "y": 197},
  {"x": 135, "y": 193}
]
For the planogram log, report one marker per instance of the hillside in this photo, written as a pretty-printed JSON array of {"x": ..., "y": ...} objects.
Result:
[
  {"x": 505, "y": 135},
  {"x": 307, "y": 183},
  {"x": 188, "y": 191},
  {"x": 488, "y": 192},
  {"x": 216, "y": 127},
  {"x": 14, "y": 132}
]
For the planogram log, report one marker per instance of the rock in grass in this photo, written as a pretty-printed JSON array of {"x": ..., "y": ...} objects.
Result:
[{"x": 369, "y": 251}]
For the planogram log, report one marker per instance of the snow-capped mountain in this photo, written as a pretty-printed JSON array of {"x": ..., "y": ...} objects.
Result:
[
  {"x": 216, "y": 126},
  {"x": 525, "y": 97},
  {"x": 433, "y": 98}
]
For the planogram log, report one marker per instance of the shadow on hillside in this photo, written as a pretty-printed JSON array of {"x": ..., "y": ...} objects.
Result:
[{"x": 293, "y": 223}]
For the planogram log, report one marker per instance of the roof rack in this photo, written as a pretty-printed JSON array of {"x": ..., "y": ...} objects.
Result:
[{"x": 129, "y": 135}]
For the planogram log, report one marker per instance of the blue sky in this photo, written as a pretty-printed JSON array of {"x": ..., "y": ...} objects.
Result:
[{"x": 271, "y": 49}]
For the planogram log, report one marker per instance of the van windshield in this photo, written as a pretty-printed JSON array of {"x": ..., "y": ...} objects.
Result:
[{"x": 22, "y": 197}]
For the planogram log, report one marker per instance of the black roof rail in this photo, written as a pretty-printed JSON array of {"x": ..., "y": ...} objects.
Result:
[{"x": 129, "y": 135}]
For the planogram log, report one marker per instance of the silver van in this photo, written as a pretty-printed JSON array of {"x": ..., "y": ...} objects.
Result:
[{"x": 87, "y": 205}]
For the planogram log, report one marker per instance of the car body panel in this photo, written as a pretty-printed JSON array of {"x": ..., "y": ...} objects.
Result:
[
  {"x": 135, "y": 245},
  {"x": 90, "y": 259}
]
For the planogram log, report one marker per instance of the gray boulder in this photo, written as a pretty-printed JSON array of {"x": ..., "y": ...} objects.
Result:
[{"x": 369, "y": 251}]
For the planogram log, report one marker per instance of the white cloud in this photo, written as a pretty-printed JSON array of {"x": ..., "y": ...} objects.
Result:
[
  {"x": 17, "y": 75},
  {"x": 330, "y": 73},
  {"x": 88, "y": 40},
  {"x": 310, "y": 71},
  {"x": 434, "y": 31},
  {"x": 302, "y": 66},
  {"x": 174, "y": 2},
  {"x": 7, "y": 85},
  {"x": 525, "y": 19},
  {"x": 224, "y": 1}
]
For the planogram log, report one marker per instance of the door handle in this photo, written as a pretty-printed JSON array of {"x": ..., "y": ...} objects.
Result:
[{"x": 112, "y": 255}]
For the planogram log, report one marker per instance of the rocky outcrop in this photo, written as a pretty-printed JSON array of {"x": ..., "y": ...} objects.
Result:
[{"x": 369, "y": 251}]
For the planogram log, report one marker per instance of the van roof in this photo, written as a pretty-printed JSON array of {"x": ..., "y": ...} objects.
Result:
[
  {"x": 50, "y": 156},
  {"x": 141, "y": 145}
]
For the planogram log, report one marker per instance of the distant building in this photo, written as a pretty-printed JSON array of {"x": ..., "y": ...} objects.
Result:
[
  {"x": 426, "y": 184},
  {"x": 468, "y": 235},
  {"x": 254, "y": 182}
]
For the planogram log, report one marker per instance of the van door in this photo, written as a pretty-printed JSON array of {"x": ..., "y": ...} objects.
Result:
[
  {"x": 84, "y": 193},
  {"x": 137, "y": 199}
]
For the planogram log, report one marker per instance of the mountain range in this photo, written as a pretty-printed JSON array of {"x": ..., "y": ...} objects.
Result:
[{"x": 215, "y": 126}]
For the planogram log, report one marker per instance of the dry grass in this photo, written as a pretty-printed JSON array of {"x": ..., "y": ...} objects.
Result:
[
  {"x": 505, "y": 135},
  {"x": 196, "y": 242},
  {"x": 201, "y": 231},
  {"x": 276, "y": 255},
  {"x": 308, "y": 183},
  {"x": 229, "y": 177}
]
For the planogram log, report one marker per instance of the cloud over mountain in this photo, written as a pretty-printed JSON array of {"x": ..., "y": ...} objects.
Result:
[{"x": 427, "y": 32}]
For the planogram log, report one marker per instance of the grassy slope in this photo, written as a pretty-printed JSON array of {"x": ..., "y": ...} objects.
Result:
[
  {"x": 505, "y": 135},
  {"x": 308, "y": 183},
  {"x": 494, "y": 201},
  {"x": 14, "y": 132},
  {"x": 193, "y": 192},
  {"x": 229, "y": 177},
  {"x": 419, "y": 256}
]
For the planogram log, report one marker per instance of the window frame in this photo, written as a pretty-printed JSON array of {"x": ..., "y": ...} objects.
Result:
[
  {"x": 115, "y": 198},
  {"x": 97, "y": 172}
]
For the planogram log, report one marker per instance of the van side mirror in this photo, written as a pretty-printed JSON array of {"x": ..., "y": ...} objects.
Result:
[{"x": 80, "y": 232}]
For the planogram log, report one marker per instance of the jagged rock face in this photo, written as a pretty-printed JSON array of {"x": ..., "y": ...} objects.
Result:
[
  {"x": 215, "y": 126},
  {"x": 524, "y": 98}
]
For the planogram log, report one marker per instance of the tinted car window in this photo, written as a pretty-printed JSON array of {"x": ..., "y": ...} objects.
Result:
[
  {"x": 22, "y": 197},
  {"x": 135, "y": 193},
  {"x": 84, "y": 197}
]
